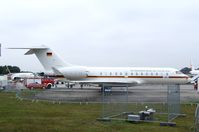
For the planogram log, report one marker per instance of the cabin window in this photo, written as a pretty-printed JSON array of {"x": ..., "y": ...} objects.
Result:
[
  {"x": 110, "y": 73},
  {"x": 156, "y": 74},
  {"x": 116, "y": 74},
  {"x": 146, "y": 74},
  {"x": 126, "y": 73},
  {"x": 100, "y": 73},
  {"x": 120, "y": 73},
  {"x": 141, "y": 73},
  {"x": 167, "y": 74},
  {"x": 151, "y": 73},
  {"x": 136, "y": 73},
  {"x": 131, "y": 73}
]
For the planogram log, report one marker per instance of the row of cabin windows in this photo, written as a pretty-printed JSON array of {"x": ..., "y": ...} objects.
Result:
[{"x": 126, "y": 74}]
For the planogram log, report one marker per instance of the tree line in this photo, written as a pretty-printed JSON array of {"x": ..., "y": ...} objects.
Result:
[{"x": 9, "y": 69}]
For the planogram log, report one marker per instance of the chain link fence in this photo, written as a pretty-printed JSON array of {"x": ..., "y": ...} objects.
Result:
[{"x": 164, "y": 108}]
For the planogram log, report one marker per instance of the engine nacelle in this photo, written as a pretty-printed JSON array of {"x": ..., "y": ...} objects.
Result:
[{"x": 73, "y": 73}]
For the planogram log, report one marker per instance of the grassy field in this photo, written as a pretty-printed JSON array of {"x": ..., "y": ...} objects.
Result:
[{"x": 28, "y": 116}]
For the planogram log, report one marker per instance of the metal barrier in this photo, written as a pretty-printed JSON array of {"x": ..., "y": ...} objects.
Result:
[
  {"x": 197, "y": 119},
  {"x": 114, "y": 101},
  {"x": 116, "y": 105},
  {"x": 173, "y": 101}
]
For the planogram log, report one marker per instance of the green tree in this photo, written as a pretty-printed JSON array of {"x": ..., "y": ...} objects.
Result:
[
  {"x": 1, "y": 69},
  {"x": 7, "y": 69}
]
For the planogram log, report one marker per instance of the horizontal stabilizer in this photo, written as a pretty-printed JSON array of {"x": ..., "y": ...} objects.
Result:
[
  {"x": 35, "y": 47},
  {"x": 32, "y": 49}
]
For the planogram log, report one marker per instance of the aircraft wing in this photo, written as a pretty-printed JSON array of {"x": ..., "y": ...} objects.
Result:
[{"x": 111, "y": 82}]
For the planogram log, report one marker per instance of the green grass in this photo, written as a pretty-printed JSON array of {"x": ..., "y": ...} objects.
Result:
[{"x": 16, "y": 115}]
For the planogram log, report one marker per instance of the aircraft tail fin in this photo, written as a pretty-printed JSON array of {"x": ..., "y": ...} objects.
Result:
[{"x": 47, "y": 57}]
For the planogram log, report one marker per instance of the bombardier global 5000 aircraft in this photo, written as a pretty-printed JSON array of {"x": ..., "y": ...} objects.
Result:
[{"x": 112, "y": 76}]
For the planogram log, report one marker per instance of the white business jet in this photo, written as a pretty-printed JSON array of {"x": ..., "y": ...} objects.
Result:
[
  {"x": 22, "y": 75},
  {"x": 111, "y": 76}
]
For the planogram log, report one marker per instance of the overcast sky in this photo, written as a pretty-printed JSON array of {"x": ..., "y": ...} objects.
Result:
[{"x": 151, "y": 33}]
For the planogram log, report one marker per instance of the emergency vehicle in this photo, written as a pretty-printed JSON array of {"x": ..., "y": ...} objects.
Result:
[{"x": 39, "y": 83}]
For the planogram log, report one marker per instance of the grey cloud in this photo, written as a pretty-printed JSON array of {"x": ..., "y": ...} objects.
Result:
[{"x": 102, "y": 33}]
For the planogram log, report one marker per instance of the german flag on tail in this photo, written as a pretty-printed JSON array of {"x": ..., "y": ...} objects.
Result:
[{"x": 49, "y": 54}]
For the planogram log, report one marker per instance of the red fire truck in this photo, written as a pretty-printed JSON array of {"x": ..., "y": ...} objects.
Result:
[{"x": 39, "y": 83}]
